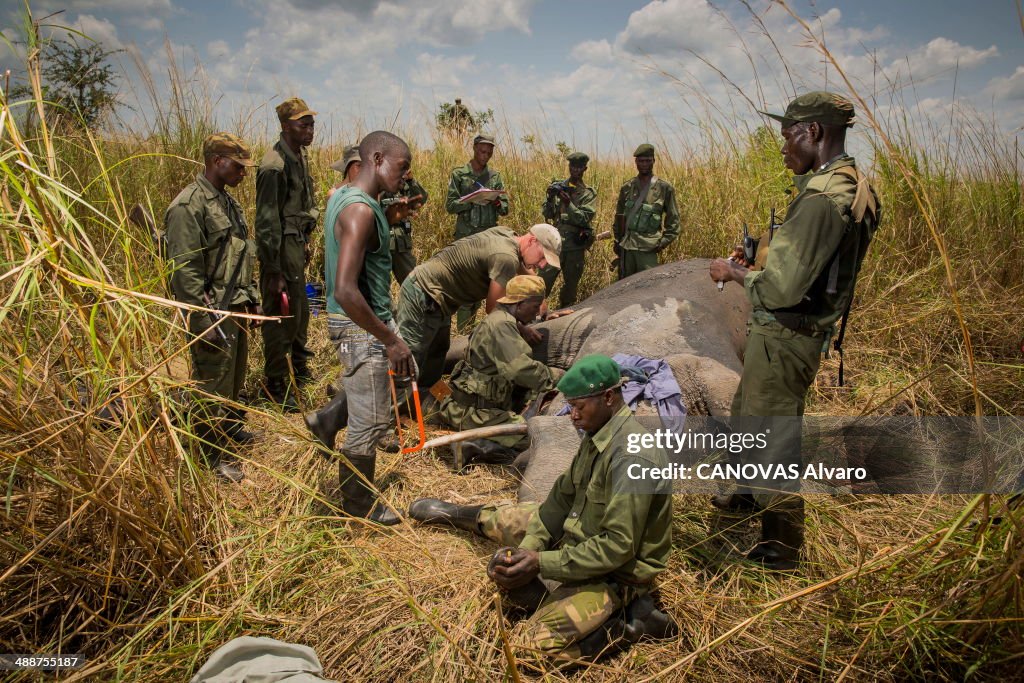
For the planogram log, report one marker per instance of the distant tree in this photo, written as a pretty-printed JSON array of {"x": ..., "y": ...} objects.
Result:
[
  {"x": 456, "y": 117},
  {"x": 79, "y": 79}
]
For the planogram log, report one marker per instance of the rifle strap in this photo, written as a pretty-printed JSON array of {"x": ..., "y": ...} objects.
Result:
[
  {"x": 229, "y": 290},
  {"x": 640, "y": 199}
]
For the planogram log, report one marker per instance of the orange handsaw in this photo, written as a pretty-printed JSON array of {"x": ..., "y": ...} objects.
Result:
[{"x": 398, "y": 417}]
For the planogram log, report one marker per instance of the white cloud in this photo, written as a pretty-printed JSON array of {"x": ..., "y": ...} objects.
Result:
[
  {"x": 1008, "y": 88},
  {"x": 431, "y": 70},
  {"x": 668, "y": 26},
  {"x": 593, "y": 51},
  {"x": 939, "y": 56},
  {"x": 100, "y": 30}
]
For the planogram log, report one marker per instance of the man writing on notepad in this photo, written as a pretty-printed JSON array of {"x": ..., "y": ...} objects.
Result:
[{"x": 472, "y": 218}]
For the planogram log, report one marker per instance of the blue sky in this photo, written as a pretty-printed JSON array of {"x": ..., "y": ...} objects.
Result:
[{"x": 598, "y": 75}]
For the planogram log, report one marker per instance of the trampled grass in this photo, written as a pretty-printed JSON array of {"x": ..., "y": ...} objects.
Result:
[{"x": 117, "y": 544}]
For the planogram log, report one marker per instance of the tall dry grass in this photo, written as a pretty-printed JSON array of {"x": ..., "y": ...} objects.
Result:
[{"x": 115, "y": 544}]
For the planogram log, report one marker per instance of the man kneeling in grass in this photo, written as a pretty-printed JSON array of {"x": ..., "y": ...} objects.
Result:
[{"x": 583, "y": 562}]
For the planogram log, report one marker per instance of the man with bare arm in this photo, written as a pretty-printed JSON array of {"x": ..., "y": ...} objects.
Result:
[{"x": 362, "y": 328}]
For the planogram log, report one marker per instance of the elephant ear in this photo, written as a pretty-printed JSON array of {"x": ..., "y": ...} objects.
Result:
[{"x": 553, "y": 445}]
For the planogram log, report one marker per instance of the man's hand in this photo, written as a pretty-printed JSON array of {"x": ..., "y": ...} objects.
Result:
[
  {"x": 661, "y": 247},
  {"x": 513, "y": 567},
  {"x": 277, "y": 284},
  {"x": 214, "y": 339},
  {"x": 254, "y": 309},
  {"x": 529, "y": 335},
  {"x": 400, "y": 357},
  {"x": 739, "y": 256},
  {"x": 558, "y": 314},
  {"x": 566, "y": 200},
  {"x": 724, "y": 270},
  {"x": 307, "y": 252}
]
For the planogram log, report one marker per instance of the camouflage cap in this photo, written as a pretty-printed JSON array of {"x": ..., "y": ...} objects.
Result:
[
  {"x": 644, "y": 150},
  {"x": 228, "y": 146},
  {"x": 550, "y": 240},
  {"x": 590, "y": 376},
  {"x": 484, "y": 137},
  {"x": 293, "y": 109},
  {"x": 349, "y": 155},
  {"x": 819, "y": 106},
  {"x": 523, "y": 287},
  {"x": 578, "y": 159}
]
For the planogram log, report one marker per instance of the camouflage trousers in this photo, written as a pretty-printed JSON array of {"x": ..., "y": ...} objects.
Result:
[{"x": 568, "y": 612}]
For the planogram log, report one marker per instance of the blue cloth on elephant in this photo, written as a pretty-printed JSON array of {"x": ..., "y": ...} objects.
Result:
[{"x": 651, "y": 380}]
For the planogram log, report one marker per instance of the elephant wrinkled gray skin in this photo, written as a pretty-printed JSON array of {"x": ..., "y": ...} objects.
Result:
[{"x": 674, "y": 312}]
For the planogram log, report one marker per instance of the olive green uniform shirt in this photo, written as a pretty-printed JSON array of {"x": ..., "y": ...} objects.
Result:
[
  {"x": 285, "y": 210},
  {"x": 594, "y": 523},
  {"x": 655, "y": 223},
  {"x": 573, "y": 220},
  {"x": 472, "y": 218},
  {"x": 461, "y": 273},
  {"x": 196, "y": 223},
  {"x": 796, "y": 274}
]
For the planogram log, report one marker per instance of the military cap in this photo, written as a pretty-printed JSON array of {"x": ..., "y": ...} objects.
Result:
[
  {"x": 229, "y": 146},
  {"x": 349, "y": 155},
  {"x": 523, "y": 287},
  {"x": 578, "y": 158},
  {"x": 293, "y": 109},
  {"x": 484, "y": 137},
  {"x": 550, "y": 240},
  {"x": 819, "y": 106},
  {"x": 644, "y": 150},
  {"x": 590, "y": 376}
]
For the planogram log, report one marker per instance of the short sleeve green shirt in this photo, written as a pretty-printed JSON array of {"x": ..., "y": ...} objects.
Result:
[{"x": 461, "y": 273}]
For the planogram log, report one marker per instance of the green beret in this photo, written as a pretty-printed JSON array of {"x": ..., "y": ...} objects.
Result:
[
  {"x": 578, "y": 158},
  {"x": 589, "y": 376},
  {"x": 644, "y": 150},
  {"x": 819, "y": 106}
]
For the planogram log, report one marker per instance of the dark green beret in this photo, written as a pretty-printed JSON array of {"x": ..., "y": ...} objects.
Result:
[
  {"x": 578, "y": 158},
  {"x": 589, "y": 376},
  {"x": 644, "y": 150}
]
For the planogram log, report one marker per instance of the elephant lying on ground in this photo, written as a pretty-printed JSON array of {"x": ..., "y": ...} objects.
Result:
[{"x": 673, "y": 312}]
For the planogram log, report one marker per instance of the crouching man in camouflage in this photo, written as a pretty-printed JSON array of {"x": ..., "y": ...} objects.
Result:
[
  {"x": 583, "y": 561},
  {"x": 498, "y": 377}
]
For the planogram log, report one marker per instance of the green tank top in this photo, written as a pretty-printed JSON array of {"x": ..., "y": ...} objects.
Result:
[{"x": 375, "y": 276}]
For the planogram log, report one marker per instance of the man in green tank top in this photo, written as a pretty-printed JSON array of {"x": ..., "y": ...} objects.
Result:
[{"x": 357, "y": 268}]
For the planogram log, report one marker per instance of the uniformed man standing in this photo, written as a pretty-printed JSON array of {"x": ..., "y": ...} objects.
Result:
[
  {"x": 213, "y": 258},
  {"x": 646, "y": 216},
  {"x": 805, "y": 287},
  {"x": 473, "y": 218},
  {"x": 285, "y": 217},
  {"x": 601, "y": 535},
  {"x": 498, "y": 376},
  {"x": 399, "y": 208},
  {"x": 570, "y": 206}
]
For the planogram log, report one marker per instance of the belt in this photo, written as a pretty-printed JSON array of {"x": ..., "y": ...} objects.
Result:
[{"x": 796, "y": 322}]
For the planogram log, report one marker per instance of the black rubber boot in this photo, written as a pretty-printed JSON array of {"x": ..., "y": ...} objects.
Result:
[
  {"x": 782, "y": 536},
  {"x": 638, "y": 620},
  {"x": 434, "y": 511},
  {"x": 482, "y": 452},
  {"x": 736, "y": 502},
  {"x": 356, "y": 499},
  {"x": 234, "y": 427},
  {"x": 324, "y": 424},
  {"x": 280, "y": 394},
  {"x": 303, "y": 376}
]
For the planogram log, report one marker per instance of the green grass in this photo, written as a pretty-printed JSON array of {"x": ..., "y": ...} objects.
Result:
[{"x": 117, "y": 544}]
